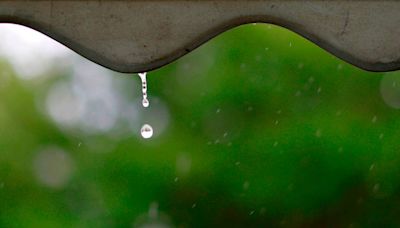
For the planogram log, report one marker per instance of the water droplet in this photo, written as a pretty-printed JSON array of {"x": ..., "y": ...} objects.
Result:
[
  {"x": 147, "y": 131},
  {"x": 146, "y": 103},
  {"x": 143, "y": 77}
]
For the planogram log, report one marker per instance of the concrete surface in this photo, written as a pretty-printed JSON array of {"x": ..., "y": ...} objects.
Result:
[{"x": 139, "y": 35}]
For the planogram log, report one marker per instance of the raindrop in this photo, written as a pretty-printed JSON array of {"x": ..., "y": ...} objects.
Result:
[
  {"x": 145, "y": 101},
  {"x": 147, "y": 131}
]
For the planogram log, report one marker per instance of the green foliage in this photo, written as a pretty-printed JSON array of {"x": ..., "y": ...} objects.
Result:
[{"x": 265, "y": 129}]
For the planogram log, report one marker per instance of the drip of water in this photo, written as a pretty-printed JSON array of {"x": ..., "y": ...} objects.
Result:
[
  {"x": 145, "y": 101},
  {"x": 147, "y": 131}
]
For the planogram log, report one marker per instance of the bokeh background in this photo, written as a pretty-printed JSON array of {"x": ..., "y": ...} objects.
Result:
[{"x": 257, "y": 128}]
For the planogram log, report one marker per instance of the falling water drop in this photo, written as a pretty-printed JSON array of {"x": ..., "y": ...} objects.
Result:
[
  {"x": 145, "y": 101},
  {"x": 147, "y": 131}
]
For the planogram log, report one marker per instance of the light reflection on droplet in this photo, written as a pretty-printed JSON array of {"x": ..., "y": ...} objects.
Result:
[{"x": 147, "y": 131}]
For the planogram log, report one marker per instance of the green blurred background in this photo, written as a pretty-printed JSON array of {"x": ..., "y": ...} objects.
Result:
[{"x": 257, "y": 128}]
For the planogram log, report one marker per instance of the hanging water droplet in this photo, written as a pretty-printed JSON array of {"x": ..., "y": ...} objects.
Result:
[
  {"x": 147, "y": 131},
  {"x": 145, "y": 103},
  {"x": 143, "y": 77}
]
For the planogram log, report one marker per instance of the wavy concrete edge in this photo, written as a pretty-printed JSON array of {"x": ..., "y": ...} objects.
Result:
[{"x": 45, "y": 19}]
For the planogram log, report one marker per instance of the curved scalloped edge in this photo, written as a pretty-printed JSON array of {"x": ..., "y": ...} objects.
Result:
[{"x": 139, "y": 36}]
